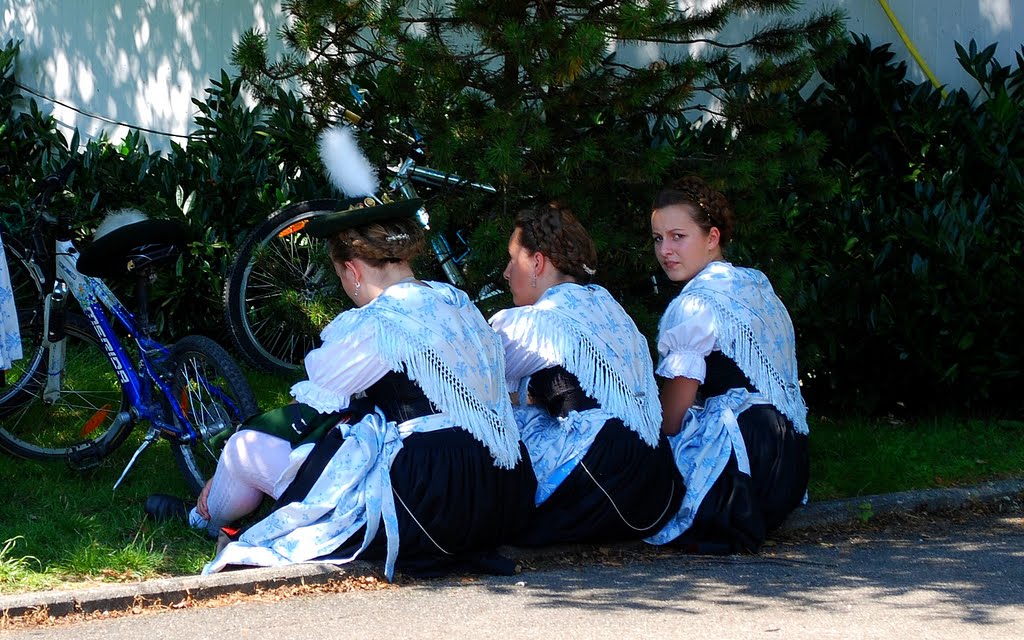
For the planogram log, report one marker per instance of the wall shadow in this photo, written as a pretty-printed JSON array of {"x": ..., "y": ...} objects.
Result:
[{"x": 133, "y": 61}]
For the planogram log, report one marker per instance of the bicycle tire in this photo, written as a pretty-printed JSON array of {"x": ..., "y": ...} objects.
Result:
[
  {"x": 27, "y": 287},
  {"x": 215, "y": 396},
  {"x": 26, "y": 276},
  {"x": 281, "y": 289},
  {"x": 91, "y": 397}
]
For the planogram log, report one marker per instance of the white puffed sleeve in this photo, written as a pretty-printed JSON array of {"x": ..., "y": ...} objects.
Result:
[
  {"x": 344, "y": 366},
  {"x": 526, "y": 352},
  {"x": 686, "y": 335}
]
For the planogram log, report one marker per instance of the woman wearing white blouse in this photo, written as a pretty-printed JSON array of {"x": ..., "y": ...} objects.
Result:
[
  {"x": 731, "y": 398},
  {"x": 418, "y": 435},
  {"x": 592, "y": 427}
]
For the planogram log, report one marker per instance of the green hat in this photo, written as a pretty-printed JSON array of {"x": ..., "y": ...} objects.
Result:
[{"x": 364, "y": 212}]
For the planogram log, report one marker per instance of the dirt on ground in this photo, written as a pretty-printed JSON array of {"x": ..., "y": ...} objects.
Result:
[{"x": 1001, "y": 516}]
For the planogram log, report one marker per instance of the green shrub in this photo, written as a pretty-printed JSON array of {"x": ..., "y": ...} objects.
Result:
[
  {"x": 240, "y": 164},
  {"x": 911, "y": 288},
  {"x": 888, "y": 217}
]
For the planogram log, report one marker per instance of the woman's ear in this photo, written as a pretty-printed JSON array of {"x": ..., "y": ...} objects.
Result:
[
  {"x": 355, "y": 269},
  {"x": 714, "y": 238},
  {"x": 348, "y": 267},
  {"x": 540, "y": 262}
]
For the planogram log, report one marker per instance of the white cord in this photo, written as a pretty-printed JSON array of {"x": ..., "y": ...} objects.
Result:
[{"x": 671, "y": 495}]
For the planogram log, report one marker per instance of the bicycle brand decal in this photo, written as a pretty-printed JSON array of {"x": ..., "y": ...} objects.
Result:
[{"x": 90, "y": 312}]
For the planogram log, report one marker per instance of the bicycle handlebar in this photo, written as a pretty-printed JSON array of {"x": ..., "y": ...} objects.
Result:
[{"x": 435, "y": 177}]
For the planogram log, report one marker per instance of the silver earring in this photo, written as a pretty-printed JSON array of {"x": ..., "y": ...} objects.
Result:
[
  {"x": 356, "y": 292},
  {"x": 533, "y": 281}
]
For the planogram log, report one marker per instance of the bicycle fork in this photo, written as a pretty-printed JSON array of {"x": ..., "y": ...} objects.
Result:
[{"x": 54, "y": 319}]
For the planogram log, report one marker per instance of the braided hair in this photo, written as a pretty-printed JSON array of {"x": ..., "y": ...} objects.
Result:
[
  {"x": 708, "y": 207},
  {"x": 379, "y": 243},
  {"x": 554, "y": 231}
]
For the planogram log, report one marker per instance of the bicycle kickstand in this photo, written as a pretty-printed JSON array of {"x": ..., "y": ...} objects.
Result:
[{"x": 151, "y": 436}]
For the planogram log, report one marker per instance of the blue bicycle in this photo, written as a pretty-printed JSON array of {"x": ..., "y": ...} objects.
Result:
[{"x": 83, "y": 386}]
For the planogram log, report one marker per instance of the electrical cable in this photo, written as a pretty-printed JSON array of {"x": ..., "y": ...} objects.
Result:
[{"x": 99, "y": 117}]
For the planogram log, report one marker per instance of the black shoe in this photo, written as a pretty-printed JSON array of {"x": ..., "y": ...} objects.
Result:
[{"x": 161, "y": 507}]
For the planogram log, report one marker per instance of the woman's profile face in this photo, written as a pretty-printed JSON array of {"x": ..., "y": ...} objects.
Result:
[
  {"x": 681, "y": 246},
  {"x": 521, "y": 272}
]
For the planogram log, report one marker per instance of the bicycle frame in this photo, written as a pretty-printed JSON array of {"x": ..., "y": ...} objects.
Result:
[
  {"x": 94, "y": 296},
  {"x": 402, "y": 182},
  {"x": 408, "y": 170}
]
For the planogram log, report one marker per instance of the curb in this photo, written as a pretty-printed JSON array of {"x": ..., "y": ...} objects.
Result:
[
  {"x": 168, "y": 591},
  {"x": 817, "y": 515}
]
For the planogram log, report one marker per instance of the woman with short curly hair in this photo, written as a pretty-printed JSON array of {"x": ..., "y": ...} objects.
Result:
[
  {"x": 589, "y": 413},
  {"x": 731, "y": 397}
]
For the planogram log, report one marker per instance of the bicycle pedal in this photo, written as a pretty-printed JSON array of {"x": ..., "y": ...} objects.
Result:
[{"x": 85, "y": 455}]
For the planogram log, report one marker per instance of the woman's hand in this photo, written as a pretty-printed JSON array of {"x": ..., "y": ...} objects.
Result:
[{"x": 201, "y": 505}]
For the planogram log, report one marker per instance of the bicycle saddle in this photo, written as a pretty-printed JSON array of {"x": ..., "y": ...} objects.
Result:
[{"x": 133, "y": 247}]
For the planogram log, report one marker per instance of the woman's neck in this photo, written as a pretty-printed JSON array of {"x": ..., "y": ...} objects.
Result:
[{"x": 376, "y": 280}]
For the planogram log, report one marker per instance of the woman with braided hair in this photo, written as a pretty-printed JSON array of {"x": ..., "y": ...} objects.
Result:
[
  {"x": 731, "y": 397},
  {"x": 588, "y": 406},
  {"x": 401, "y": 445}
]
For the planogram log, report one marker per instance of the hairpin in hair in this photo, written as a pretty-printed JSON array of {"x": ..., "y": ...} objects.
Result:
[
  {"x": 700, "y": 203},
  {"x": 588, "y": 270},
  {"x": 395, "y": 237}
]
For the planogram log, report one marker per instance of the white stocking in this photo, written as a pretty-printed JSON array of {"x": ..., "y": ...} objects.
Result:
[{"x": 250, "y": 465}]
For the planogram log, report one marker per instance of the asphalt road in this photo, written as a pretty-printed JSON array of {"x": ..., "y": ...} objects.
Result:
[{"x": 933, "y": 579}]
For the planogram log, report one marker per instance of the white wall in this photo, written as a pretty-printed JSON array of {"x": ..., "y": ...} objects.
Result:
[
  {"x": 134, "y": 61},
  {"x": 934, "y": 25},
  {"x": 141, "y": 61}
]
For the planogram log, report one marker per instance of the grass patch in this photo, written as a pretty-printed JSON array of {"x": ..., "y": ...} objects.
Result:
[
  {"x": 855, "y": 457},
  {"x": 61, "y": 527},
  {"x": 65, "y": 527}
]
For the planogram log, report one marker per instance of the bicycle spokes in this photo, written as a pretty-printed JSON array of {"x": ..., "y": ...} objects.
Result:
[{"x": 202, "y": 402}]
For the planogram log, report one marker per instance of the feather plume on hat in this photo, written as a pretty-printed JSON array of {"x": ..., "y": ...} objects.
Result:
[
  {"x": 347, "y": 168},
  {"x": 116, "y": 219}
]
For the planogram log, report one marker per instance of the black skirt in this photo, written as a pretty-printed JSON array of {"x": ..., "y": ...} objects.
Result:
[
  {"x": 623, "y": 489},
  {"x": 454, "y": 505},
  {"x": 740, "y": 511}
]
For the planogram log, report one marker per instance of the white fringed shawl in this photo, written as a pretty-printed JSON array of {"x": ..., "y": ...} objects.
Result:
[
  {"x": 583, "y": 329},
  {"x": 753, "y": 328},
  {"x": 438, "y": 337}
]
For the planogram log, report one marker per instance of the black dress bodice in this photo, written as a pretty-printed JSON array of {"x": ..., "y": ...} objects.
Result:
[
  {"x": 399, "y": 397},
  {"x": 723, "y": 374},
  {"x": 558, "y": 392}
]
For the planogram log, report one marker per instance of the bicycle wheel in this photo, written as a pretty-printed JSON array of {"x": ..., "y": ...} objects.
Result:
[
  {"x": 214, "y": 395},
  {"x": 26, "y": 284},
  {"x": 85, "y": 408},
  {"x": 26, "y": 276},
  {"x": 281, "y": 289}
]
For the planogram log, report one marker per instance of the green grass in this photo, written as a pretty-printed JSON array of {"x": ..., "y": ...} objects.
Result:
[
  {"x": 854, "y": 457},
  {"x": 59, "y": 526}
]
